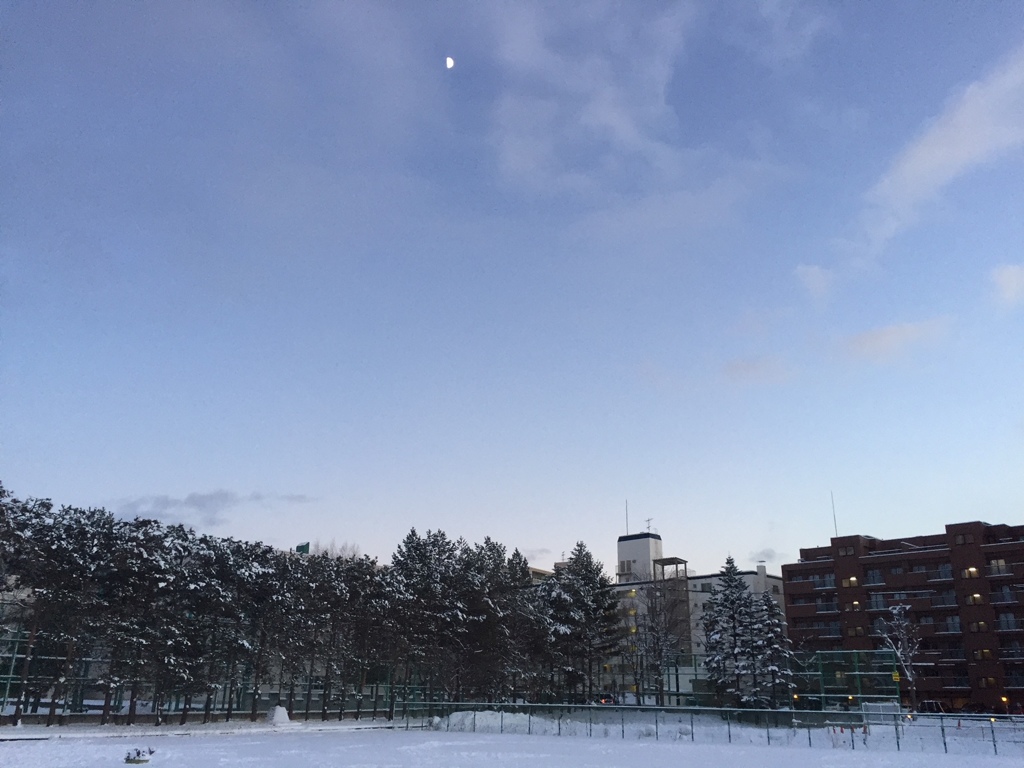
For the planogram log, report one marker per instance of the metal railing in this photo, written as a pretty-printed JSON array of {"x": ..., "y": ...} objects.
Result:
[{"x": 883, "y": 729}]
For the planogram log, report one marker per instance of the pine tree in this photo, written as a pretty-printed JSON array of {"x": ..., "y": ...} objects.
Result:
[
  {"x": 772, "y": 653},
  {"x": 584, "y": 619},
  {"x": 728, "y": 622}
]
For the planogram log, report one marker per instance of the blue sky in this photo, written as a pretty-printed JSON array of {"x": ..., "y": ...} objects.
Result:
[{"x": 277, "y": 273}]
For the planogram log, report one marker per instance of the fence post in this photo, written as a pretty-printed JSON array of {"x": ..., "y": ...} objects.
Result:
[
  {"x": 853, "y": 744},
  {"x": 501, "y": 721},
  {"x": 529, "y": 722},
  {"x": 692, "y": 734},
  {"x": 474, "y": 721},
  {"x": 728, "y": 724},
  {"x": 559, "y": 723},
  {"x": 768, "y": 729},
  {"x": 942, "y": 727},
  {"x": 590, "y": 722},
  {"x": 656, "y": 725},
  {"x": 622, "y": 716},
  {"x": 809, "y": 744},
  {"x": 992, "y": 725},
  {"x": 896, "y": 725}
]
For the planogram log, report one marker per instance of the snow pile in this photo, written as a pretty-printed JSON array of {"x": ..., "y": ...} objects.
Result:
[
  {"x": 278, "y": 716},
  {"x": 594, "y": 724},
  {"x": 927, "y": 735}
]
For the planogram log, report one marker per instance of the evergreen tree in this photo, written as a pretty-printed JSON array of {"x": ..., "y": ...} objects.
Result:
[
  {"x": 773, "y": 653},
  {"x": 584, "y": 622},
  {"x": 728, "y": 644}
]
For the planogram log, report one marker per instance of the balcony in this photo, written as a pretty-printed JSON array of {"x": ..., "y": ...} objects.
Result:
[
  {"x": 1009, "y": 625},
  {"x": 1003, "y": 569},
  {"x": 826, "y": 607},
  {"x": 1002, "y": 598}
]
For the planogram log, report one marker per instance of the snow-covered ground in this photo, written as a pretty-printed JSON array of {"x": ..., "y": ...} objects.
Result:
[{"x": 595, "y": 741}]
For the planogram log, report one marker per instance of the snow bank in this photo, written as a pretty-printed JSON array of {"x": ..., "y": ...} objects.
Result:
[
  {"x": 296, "y": 748},
  {"x": 278, "y": 717}
]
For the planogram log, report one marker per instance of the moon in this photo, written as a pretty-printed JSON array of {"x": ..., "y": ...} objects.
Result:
[{"x": 449, "y": 62}]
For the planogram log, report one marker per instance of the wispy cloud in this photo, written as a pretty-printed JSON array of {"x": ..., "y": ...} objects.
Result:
[
  {"x": 816, "y": 280},
  {"x": 758, "y": 370},
  {"x": 1008, "y": 280},
  {"x": 205, "y": 509},
  {"x": 982, "y": 123},
  {"x": 891, "y": 342},
  {"x": 584, "y": 110},
  {"x": 789, "y": 28}
]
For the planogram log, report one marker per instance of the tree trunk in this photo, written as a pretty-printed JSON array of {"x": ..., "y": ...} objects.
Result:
[
  {"x": 231, "y": 688},
  {"x": 309, "y": 685},
  {"x": 133, "y": 702},
  {"x": 185, "y": 707},
  {"x": 25, "y": 664},
  {"x": 256, "y": 676},
  {"x": 107, "y": 698}
]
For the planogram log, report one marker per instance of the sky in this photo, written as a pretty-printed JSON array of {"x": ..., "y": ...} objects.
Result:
[{"x": 275, "y": 272}]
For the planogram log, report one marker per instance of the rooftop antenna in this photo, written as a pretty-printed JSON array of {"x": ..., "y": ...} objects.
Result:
[
  {"x": 648, "y": 521},
  {"x": 627, "y": 517},
  {"x": 835, "y": 525}
]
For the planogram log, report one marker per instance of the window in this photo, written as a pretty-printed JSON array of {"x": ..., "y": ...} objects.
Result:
[
  {"x": 964, "y": 538},
  {"x": 952, "y": 624},
  {"x": 919, "y": 568},
  {"x": 974, "y": 599},
  {"x": 986, "y": 682},
  {"x": 1005, "y": 594},
  {"x": 775, "y": 589},
  {"x": 983, "y": 654},
  {"x": 706, "y": 587},
  {"x": 874, "y": 576},
  {"x": 998, "y": 567},
  {"x": 944, "y": 571},
  {"x": 926, "y": 619},
  {"x": 979, "y": 626},
  {"x": 896, "y": 570},
  {"x": 850, "y": 582},
  {"x": 970, "y": 573},
  {"x": 855, "y": 631},
  {"x": 876, "y": 601},
  {"x": 845, "y": 551}
]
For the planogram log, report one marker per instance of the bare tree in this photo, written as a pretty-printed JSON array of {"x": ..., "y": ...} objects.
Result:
[{"x": 900, "y": 634}]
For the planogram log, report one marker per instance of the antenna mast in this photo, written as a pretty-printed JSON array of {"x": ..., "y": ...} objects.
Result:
[
  {"x": 835, "y": 525},
  {"x": 627, "y": 517}
]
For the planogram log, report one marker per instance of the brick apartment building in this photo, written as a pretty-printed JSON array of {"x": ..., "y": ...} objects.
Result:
[{"x": 963, "y": 588}]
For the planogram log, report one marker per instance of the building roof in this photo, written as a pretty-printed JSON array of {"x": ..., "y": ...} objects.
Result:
[{"x": 638, "y": 536}]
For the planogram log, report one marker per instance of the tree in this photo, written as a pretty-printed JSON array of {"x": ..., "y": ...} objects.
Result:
[
  {"x": 773, "y": 653},
  {"x": 656, "y": 619},
  {"x": 584, "y": 621},
  {"x": 430, "y": 601},
  {"x": 901, "y": 635},
  {"x": 728, "y": 618}
]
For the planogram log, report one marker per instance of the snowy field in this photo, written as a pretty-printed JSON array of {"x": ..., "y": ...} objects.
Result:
[{"x": 453, "y": 744}]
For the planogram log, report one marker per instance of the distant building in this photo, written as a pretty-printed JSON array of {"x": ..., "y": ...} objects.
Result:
[{"x": 964, "y": 589}]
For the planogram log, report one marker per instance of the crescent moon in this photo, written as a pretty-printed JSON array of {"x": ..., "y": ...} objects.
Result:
[{"x": 449, "y": 62}]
